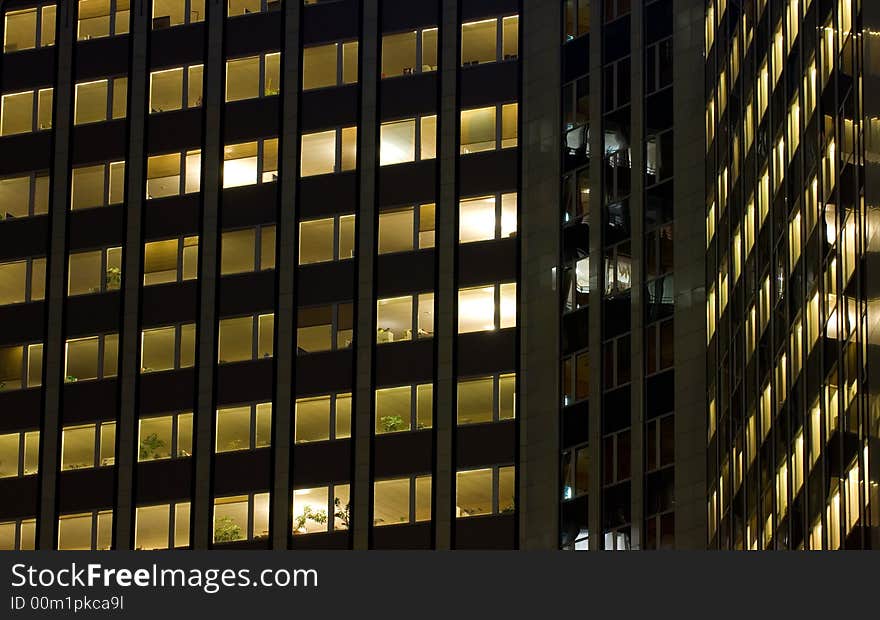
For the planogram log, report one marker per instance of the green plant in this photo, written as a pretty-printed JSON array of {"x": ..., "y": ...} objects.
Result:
[
  {"x": 113, "y": 277},
  {"x": 508, "y": 509},
  {"x": 150, "y": 446},
  {"x": 226, "y": 530},
  {"x": 343, "y": 514},
  {"x": 391, "y": 423},
  {"x": 70, "y": 379},
  {"x": 318, "y": 516}
]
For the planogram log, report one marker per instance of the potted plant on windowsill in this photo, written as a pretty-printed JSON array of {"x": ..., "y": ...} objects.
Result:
[
  {"x": 392, "y": 423},
  {"x": 113, "y": 278},
  {"x": 226, "y": 530},
  {"x": 318, "y": 516},
  {"x": 150, "y": 446},
  {"x": 343, "y": 514}
]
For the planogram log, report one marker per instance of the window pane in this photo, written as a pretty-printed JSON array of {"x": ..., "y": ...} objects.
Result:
[
  {"x": 350, "y": 62},
  {"x": 187, "y": 346},
  {"x": 117, "y": 183},
  {"x": 242, "y": 78},
  {"x": 238, "y": 251},
  {"x": 318, "y": 155},
  {"x": 163, "y": 175},
  {"x": 272, "y": 76},
  {"x": 314, "y": 329},
  {"x": 343, "y": 416},
  {"x": 184, "y": 434},
  {"x": 111, "y": 355},
  {"x": 75, "y": 532},
  {"x": 78, "y": 447},
  {"x": 428, "y": 137},
  {"x": 82, "y": 360},
  {"x": 240, "y": 164},
  {"x": 15, "y": 197},
  {"x": 424, "y": 406},
  {"x": 91, "y": 102},
  {"x": 319, "y": 66},
  {"x": 181, "y": 524},
  {"x": 477, "y": 130},
  {"x": 194, "y": 86},
  {"x": 396, "y": 230},
  {"x": 84, "y": 273},
  {"x": 426, "y": 315},
  {"x": 34, "y": 366},
  {"x": 473, "y": 493},
  {"x": 476, "y": 219},
  {"x": 390, "y": 502},
  {"x": 31, "y": 453},
  {"x": 9, "y": 455},
  {"x": 11, "y": 360},
  {"x": 394, "y": 319},
  {"x": 478, "y": 42},
  {"x": 476, "y": 309},
  {"x": 263, "y": 431},
  {"x": 509, "y": 128},
  {"x": 310, "y": 510},
  {"x": 17, "y": 113},
  {"x": 398, "y": 54},
  {"x": 507, "y": 397},
  {"x": 506, "y": 488},
  {"x": 429, "y": 49},
  {"x": 160, "y": 262},
  {"x": 119, "y": 105},
  {"x": 107, "y": 454},
  {"x": 233, "y": 429},
  {"x": 87, "y": 187},
  {"x": 508, "y": 305},
  {"x": 426, "y": 226},
  {"x": 508, "y": 215},
  {"x": 20, "y": 32},
  {"x": 397, "y": 142},
  {"x": 230, "y": 519},
  {"x": 261, "y": 515},
  {"x": 157, "y": 349},
  {"x": 13, "y": 281},
  {"x": 151, "y": 527},
  {"x": 267, "y": 247},
  {"x": 476, "y": 401},
  {"x": 236, "y": 340},
  {"x": 346, "y": 236},
  {"x": 341, "y": 506},
  {"x": 510, "y": 34},
  {"x": 193, "y": 171},
  {"x": 312, "y": 419},
  {"x": 393, "y": 409},
  {"x": 423, "y": 498},
  {"x": 349, "y": 148},
  {"x": 316, "y": 241},
  {"x": 266, "y": 336},
  {"x": 154, "y": 438}
]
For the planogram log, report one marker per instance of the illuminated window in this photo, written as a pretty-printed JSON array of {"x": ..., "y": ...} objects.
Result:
[
  {"x": 404, "y": 408},
  {"x": 88, "y": 531},
  {"x": 26, "y": 112},
  {"x": 100, "y": 100},
  {"x": 168, "y": 348},
  {"x": 408, "y": 53},
  {"x": 248, "y": 250},
  {"x": 485, "y": 491},
  {"x": 174, "y": 174},
  {"x": 398, "y": 317},
  {"x": 326, "y": 239},
  {"x": 413, "y": 139},
  {"x": 794, "y": 239},
  {"x": 241, "y": 517},
  {"x": 18, "y": 535},
  {"x": 19, "y": 454},
  {"x": 165, "y": 437},
  {"x": 479, "y": 40},
  {"x": 405, "y": 229},
  {"x": 326, "y": 152},
  {"x": 171, "y": 260},
  {"x": 246, "y": 338},
  {"x": 98, "y": 271},
  {"x": 22, "y": 281},
  {"x": 487, "y": 217},
  {"x": 330, "y": 65},
  {"x": 97, "y": 186},
  {"x": 176, "y": 89},
  {"x": 402, "y": 500},
  {"x": 24, "y": 196},
  {"x": 102, "y": 18},
  {"x": 249, "y": 163},
  {"x": 247, "y": 7},
  {"x": 29, "y": 28},
  {"x": 167, "y": 13},
  {"x": 322, "y": 418},
  {"x": 254, "y": 76},
  {"x": 324, "y": 328},
  {"x": 810, "y": 90},
  {"x": 165, "y": 526},
  {"x": 88, "y": 445},
  {"x": 244, "y": 428},
  {"x": 321, "y": 509},
  {"x": 486, "y": 308},
  {"x": 21, "y": 367},
  {"x": 486, "y": 399},
  {"x": 481, "y": 130},
  {"x": 86, "y": 359}
]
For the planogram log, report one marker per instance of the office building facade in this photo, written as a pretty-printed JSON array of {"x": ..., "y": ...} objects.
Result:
[
  {"x": 791, "y": 126},
  {"x": 310, "y": 275}
]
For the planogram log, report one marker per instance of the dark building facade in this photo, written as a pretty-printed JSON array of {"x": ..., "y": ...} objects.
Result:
[
  {"x": 290, "y": 275},
  {"x": 631, "y": 276},
  {"x": 791, "y": 203}
]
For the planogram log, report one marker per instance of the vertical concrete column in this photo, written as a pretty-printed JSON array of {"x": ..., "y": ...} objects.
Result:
[
  {"x": 637, "y": 290},
  {"x": 366, "y": 252},
  {"x": 126, "y": 426},
  {"x": 53, "y": 347},
  {"x": 285, "y": 266},
  {"x": 689, "y": 252},
  {"x": 539, "y": 310},
  {"x": 208, "y": 256},
  {"x": 445, "y": 295},
  {"x": 596, "y": 147}
]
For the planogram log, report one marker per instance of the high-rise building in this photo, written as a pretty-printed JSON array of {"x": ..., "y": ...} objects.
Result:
[
  {"x": 791, "y": 220},
  {"x": 632, "y": 339},
  {"x": 315, "y": 274}
]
